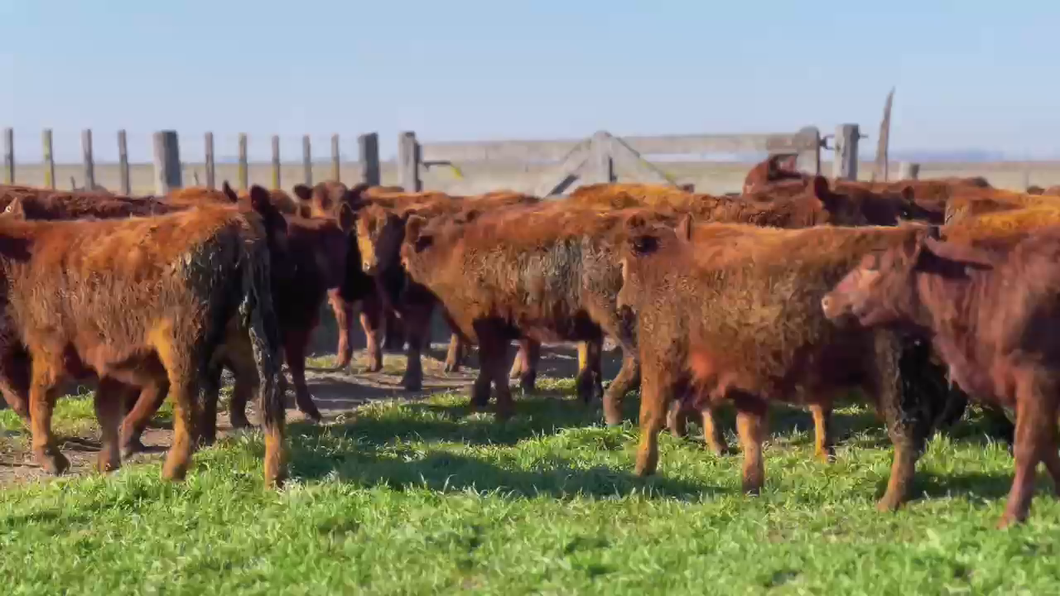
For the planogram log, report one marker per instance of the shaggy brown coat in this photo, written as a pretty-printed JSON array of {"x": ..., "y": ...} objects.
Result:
[{"x": 733, "y": 312}]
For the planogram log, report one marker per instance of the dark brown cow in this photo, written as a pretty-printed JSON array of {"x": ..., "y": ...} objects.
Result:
[
  {"x": 782, "y": 166},
  {"x": 382, "y": 328},
  {"x": 732, "y": 312},
  {"x": 381, "y": 230},
  {"x": 991, "y": 316},
  {"x": 132, "y": 301}
]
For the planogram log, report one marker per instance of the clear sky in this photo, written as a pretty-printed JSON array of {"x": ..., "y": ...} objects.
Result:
[{"x": 969, "y": 74}]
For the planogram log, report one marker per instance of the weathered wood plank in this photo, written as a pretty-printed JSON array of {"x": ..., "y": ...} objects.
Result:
[
  {"x": 336, "y": 164},
  {"x": 880, "y": 170},
  {"x": 49, "y": 159},
  {"x": 167, "y": 162},
  {"x": 560, "y": 176},
  {"x": 644, "y": 170},
  {"x": 307, "y": 160},
  {"x": 409, "y": 159},
  {"x": 9, "y": 156},
  {"x": 603, "y": 169},
  {"x": 243, "y": 169},
  {"x": 211, "y": 170},
  {"x": 90, "y": 165},
  {"x": 845, "y": 166},
  {"x": 908, "y": 170},
  {"x": 368, "y": 152},
  {"x": 123, "y": 164},
  {"x": 275, "y": 161}
]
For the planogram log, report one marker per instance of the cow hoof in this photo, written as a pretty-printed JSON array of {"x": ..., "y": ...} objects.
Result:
[
  {"x": 53, "y": 462},
  {"x": 373, "y": 367},
  {"x": 412, "y": 382},
  {"x": 1008, "y": 519},
  {"x": 452, "y": 367},
  {"x": 131, "y": 447},
  {"x": 108, "y": 463},
  {"x": 887, "y": 505},
  {"x": 528, "y": 382}
]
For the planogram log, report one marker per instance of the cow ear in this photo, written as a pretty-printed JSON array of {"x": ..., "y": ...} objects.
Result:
[
  {"x": 820, "y": 187},
  {"x": 303, "y": 192},
  {"x": 229, "y": 193},
  {"x": 15, "y": 209},
  {"x": 346, "y": 218},
  {"x": 636, "y": 222},
  {"x": 908, "y": 193},
  {"x": 684, "y": 228},
  {"x": 413, "y": 226}
]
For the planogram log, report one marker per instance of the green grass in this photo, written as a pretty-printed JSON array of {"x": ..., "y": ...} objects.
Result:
[{"x": 424, "y": 498}]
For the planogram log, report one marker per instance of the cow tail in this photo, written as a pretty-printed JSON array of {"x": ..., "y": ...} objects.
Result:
[{"x": 259, "y": 318}]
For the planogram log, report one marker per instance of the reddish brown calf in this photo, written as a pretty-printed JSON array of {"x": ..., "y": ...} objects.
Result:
[{"x": 992, "y": 315}]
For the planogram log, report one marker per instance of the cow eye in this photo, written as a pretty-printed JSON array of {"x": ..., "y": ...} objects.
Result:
[
  {"x": 423, "y": 243},
  {"x": 645, "y": 244}
]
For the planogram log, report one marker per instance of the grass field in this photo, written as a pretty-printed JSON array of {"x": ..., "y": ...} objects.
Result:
[{"x": 418, "y": 497}]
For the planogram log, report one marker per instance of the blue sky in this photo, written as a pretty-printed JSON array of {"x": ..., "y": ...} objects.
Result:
[{"x": 969, "y": 74}]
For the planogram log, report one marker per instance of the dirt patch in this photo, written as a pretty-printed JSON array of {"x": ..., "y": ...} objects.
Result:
[{"x": 336, "y": 393}]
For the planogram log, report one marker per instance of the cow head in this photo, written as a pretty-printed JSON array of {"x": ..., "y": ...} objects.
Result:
[
  {"x": 331, "y": 245},
  {"x": 324, "y": 199},
  {"x": 883, "y": 288},
  {"x": 258, "y": 201}
]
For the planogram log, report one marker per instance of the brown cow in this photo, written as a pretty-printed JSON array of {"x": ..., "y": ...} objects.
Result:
[
  {"x": 990, "y": 313},
  {"x": 782, "y": 166},
  {"x": 237, "y": 352},
  {"x": 733, "y": 312},
  {"x": 979, "y": 202},
  {"x": 132, "y": 301},
  {"x": 380, "y": 233}
]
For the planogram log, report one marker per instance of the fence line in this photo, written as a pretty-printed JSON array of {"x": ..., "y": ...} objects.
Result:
[{"x": 591, "y": 159}]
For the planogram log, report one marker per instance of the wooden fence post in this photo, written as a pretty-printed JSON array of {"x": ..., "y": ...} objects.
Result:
[
  {"x": 167, "y": 162},
  {"x": 9, "y": 156},
  {"x": 243, "y": 169},
  {"x": 368, "y": 149},
  {"x": 908, "y": 170},
  {"x": 211, "y": 180},
  {"x": 90, "y": 166},
  {"x": 603, "y": 168},
  {"x": 845, "y": 166},
  {"x": 307, "y": 160},
  {"x": 336, "y": 164},
  {"x": 123, "y": 164},
  {"x": 49, "y": 159},
  {"x": 409, "y": 162},
  {"x": 809, "y": 160},
  {"x": 276, "y": 161}
]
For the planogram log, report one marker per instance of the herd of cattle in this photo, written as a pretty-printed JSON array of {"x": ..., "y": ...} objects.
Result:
[{"x": 920, "y": 293}]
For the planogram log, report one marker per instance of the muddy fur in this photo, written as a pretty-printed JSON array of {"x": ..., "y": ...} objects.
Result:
[
  {"x": 732, "y": 313},
  {"x": 132, "y": 300}
]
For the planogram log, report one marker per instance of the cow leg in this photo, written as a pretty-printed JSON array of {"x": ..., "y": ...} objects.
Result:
[
  {"x": 657, "y": 391},
  {"x": 713, "y": 436},
  {"x": 14, "y": 383},
  {"x": 395, "y": 336},
  {"x": 676, "y": 420},
  {"x": 588, "y": 382},
  {"x": 751, "y": 425},
  {"x": 823, "y": 445},
  {"x": 372, "y": 321},
  {"x": 454, "y": 357},
  {"x": 519, "y": 364},
  {"x": 109, "y": 400},
  {"x": 153, "y": 393},
  {"x": 243, "y": 390},
  {"x": 42, "y": 396},
  {"x": 531, "y": 351},
  {"x": 1035, "y": 435},
  {"x": 910, "y": 416},
  {"x": 206, "y": 425},
  {"x": 493, "y": 354},
  {"x": 183, "y": 376},
  {"x": 294, "y": 346},
  {"x": 343, "y": 310},
  {"x": 627, "y": 378}
]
